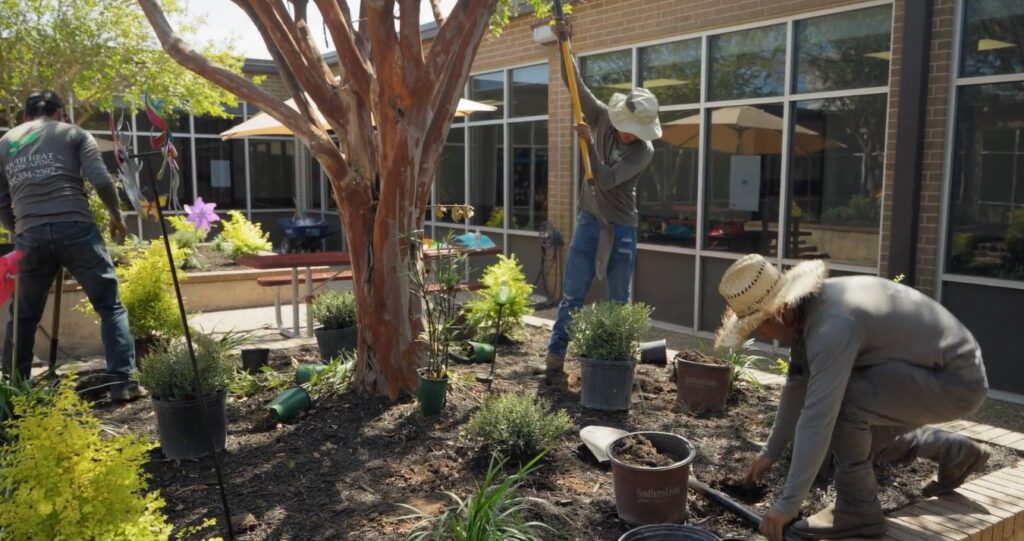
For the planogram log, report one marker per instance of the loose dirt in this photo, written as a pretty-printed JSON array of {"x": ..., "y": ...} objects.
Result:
[
  {"x": 637, "y": 450},
  {"x": 695, "y": 356}
]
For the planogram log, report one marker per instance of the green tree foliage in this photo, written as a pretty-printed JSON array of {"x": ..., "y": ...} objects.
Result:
[{"x": 96, "y": 50}]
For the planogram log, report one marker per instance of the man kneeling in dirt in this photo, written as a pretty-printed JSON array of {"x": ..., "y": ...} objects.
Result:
[{"x": 872, "y": 363}]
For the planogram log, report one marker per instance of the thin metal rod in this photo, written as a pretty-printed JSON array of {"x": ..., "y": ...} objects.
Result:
[
  {"x": 55, "y": 326},
  {"x": 195, "y": 365}
]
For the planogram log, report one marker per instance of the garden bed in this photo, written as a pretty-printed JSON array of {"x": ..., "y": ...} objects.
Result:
[{"x": 339, "y": 472}]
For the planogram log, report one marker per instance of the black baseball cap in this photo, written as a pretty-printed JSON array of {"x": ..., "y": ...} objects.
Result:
[{"x": 43, "y": 96}]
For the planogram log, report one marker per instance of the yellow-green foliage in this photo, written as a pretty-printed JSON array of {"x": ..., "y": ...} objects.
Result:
[
  {"x": 482, "y": 310},
  {"x": 187, "y": 237},
  {"x": 62, "y": 480},
  {"x": 240, "y": 237}
]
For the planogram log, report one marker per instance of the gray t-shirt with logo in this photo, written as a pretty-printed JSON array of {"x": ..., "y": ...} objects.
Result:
[{"x": 43, "y": 164}]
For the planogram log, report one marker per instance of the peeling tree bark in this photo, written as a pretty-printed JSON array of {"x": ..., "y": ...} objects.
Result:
[{"x": 391, "y": 111}]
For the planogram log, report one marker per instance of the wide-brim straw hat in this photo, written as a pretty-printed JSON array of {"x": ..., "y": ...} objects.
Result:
[
  {"x": 755, "y": 290},
  {"x": 636, "y": 113}
]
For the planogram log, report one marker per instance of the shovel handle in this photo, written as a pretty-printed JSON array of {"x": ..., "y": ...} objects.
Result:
[
  {"x": 733, "y": 506},
  {"x": 574, "y": 93}
]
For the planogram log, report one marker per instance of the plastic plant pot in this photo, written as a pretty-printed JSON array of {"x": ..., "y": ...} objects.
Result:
[
  {"x": 607, "y": 385},
  {"x": 305, "y": 372},
  {"x": 287, "y": 405},
  {"x": 654, "y": 352},
  {"x": 431, "y": 393},
  {"x": 653, "y": 495},
  {"x": 668, "y": 532},
  {"x": 180, "y": 427},
  {"x": 255, "y": 358}
]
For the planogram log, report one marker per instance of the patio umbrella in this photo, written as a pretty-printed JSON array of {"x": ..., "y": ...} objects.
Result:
[
  {"x": 744, "y": 130},
  {"x": 264, "y": 124}
]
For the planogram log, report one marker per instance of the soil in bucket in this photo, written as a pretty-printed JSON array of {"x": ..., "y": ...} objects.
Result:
[
  {"x": 651, "y": 494},
  {"x": 668, "y": 532},
  {"x": 702, "y": 381}
]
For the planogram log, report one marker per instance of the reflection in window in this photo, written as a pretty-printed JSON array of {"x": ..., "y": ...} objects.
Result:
[
  {"x": 529, "y": 181},
  {"x": 529, "y": 95},
  {"x": 838, "y": 150},
  {"x": 272, "y": 173},
  {"x": 220, "y": 172},
  {"x": 743, "y": 171},
  {"x": 151, "y": 164},
  {"x": 986, "y": 220},
  {"x": 843, "y": 51},
  {"x": 993, "y": 37},
  {"x": 211, "y": 125},
  {"x": 489, "y": 89},
  {"x": 486, "y": 164},
  {"x": 450, "y": 182},
  {"x": 748, "y": 64},
  {"x": 667, "y": 191},
  {"x": 314, "y": 189},
  {"x": 672, "y": 71},
  {"x": 608, "y": 73}
]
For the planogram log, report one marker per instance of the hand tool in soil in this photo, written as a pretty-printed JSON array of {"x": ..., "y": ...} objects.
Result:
[
  {"x": 598, "y": 438},
  {"x": 574, "y": 92}
]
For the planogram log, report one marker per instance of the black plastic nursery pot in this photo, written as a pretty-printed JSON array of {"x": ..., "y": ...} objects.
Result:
[
  {"x": 668, "y": 532},
  {"x": 180, "y": 427},
  {"x": 255, "y": 358},
  {"x": 430, "y": 393},
  {"x": 335, "y": 341},
  {"x": 654, "y": 352},
  {"x": 653, "y": 495},
  {"x": 287, "y": 405},
  {"x": 607, "y": 385}
]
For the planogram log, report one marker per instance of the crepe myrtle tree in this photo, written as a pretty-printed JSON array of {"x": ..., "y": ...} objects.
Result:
[{"x": 391, "y": 108}]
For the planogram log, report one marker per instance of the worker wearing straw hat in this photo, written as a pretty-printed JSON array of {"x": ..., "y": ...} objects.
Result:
[{"x": 872, "y": 362}]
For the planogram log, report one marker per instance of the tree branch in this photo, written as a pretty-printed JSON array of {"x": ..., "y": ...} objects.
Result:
[
  {"x": 410, "y": 41},
  {"x": 435, "y": 6},
  {"x": 354, "y": 65}
]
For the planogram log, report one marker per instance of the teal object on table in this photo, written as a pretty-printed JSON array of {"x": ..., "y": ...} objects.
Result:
[{"x": 473, "y": 241}]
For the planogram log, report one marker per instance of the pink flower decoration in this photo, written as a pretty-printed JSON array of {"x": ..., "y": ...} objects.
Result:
[
  {"x": 200, "y": 214},
  {"x": 8, "y": 272}
]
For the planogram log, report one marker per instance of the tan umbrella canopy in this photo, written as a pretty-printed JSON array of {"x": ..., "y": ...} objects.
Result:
[
  {"x": 264, "y": 124},
  {"x": 743, "y": 130}
]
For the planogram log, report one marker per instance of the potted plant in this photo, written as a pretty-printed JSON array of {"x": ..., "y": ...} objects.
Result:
[
  {"x": 335, "y": 311},
  {"x": 606, "y": 339},
  {"x": 499, "y": 307},
  {"x": 169, "y": 376},
  {"x": 704, "y": 382},
  {"x": 440, "y": 313}
]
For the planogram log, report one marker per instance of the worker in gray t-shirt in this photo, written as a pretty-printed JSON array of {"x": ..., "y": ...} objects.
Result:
[
  {"x": 43, "y": 200},
  {"x": 604, "y": 240},
  {"x": 872, "y": 363}
]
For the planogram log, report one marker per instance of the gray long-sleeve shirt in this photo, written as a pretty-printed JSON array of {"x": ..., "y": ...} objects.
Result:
[
  {"x": 616, "y": 166},
  {"x": 42, "y": 166},
  {"x": 856, "y": 322}
]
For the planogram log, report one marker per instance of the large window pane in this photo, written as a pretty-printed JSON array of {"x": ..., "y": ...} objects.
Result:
[
  {"x": 220, "y": 172},
  {"x": 272, "y": 173},
  {"x": 489, "y": 89},
  {"x": 211, "y": 125},
  {"x": 106, "y": 146},
  {"x": 845, "y": 50},
  {"x": 529, "y": 91},
  {"x": 986, "y": 215},
  {"x": 667, "y": 190},
  {"x": 838, "y": 150},
  {"x": 486, "y": 178},
  {"x": 315, "y": 194},
  {"x": 672, "y": 71},
  {"x": 450, "y": 182},
  {"x": 529, "y": 181},
  {"x": 993, "y": 38},
  {"x": 743, "y": 171},
  {"x": 748, "y": 64},
  {"x": 608, "y": 73},
  {"x": 100, "y": 120}
]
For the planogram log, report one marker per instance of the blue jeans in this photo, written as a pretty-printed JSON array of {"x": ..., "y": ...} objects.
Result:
[
  {"x": 579, "y": 273},
  {"x": 79, "y": 248}
]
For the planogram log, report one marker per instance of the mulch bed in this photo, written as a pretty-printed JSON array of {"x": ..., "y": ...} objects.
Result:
[
  {"x": 213, "y": 260},
  {"x": 339, "y": 471}
]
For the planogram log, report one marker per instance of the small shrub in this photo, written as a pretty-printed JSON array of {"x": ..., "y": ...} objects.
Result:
[
  {"x": 23, "y": 389},
  {"x": 168, "y": 374},
  {"x": 334, "y": 380},
  {"x": 334, "y": 309},
  {"x": 609, "y": 331},
  {"x": 517, "y": 425},
  {"x": 240, "y": 237},
  {"x": 187, "y": 237},
  {"x": 494, "y": 512},
  {"x": 482, "y": 310},
  {"x": 438, "y": 300},
  {"x": 62, "y": 480}
]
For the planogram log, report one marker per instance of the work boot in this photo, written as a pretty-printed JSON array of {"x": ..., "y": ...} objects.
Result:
[
  {"x": 830, "y": 523},
  {"x": 969, "y": 458},
  {"x": 554, "y": 371},
  {"x": 129, "y": 392}
]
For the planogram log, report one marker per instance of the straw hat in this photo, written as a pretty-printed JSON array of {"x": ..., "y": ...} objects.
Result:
[
  {"x": 754, "y": 291},
  {"x": 636, "y": 113}
]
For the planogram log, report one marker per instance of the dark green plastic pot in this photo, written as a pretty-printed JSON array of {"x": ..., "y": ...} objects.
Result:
[
  {"x": 290, "y": 403},
  {"x": 430, "y": 393},
  {"x": 305, "y": 372},
  {"x": 474, "y": 352}
]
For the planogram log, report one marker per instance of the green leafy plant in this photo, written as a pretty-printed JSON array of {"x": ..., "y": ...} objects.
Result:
[
  {"x": 609, "y": 331},
  {"x": 781, "y": 366},
  {"x": 496, "y": 219},
  {"x": 516, "y": 426},
  {"x": 62, "y": 479},
  {"x": 334, "y": 309},
  {"x": 187, "y": 237},
  {"x": 22, "y": 389},
  {"x": 147, "y": 292},
  {"x": 100, "y": 215},
  {"x": 483, "y": 309},
  {"x": 741, "y": 362},
  {"x": 245, "y": 384},
  {"x": 860, "y": 210},
  {"x": 493, "y": 513},
  {"x": 167, "y": 372},
  {"x": 439, "y": 308},
  {"x": 240, "y": 237},
  {"x": 334, "y": 380}
]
